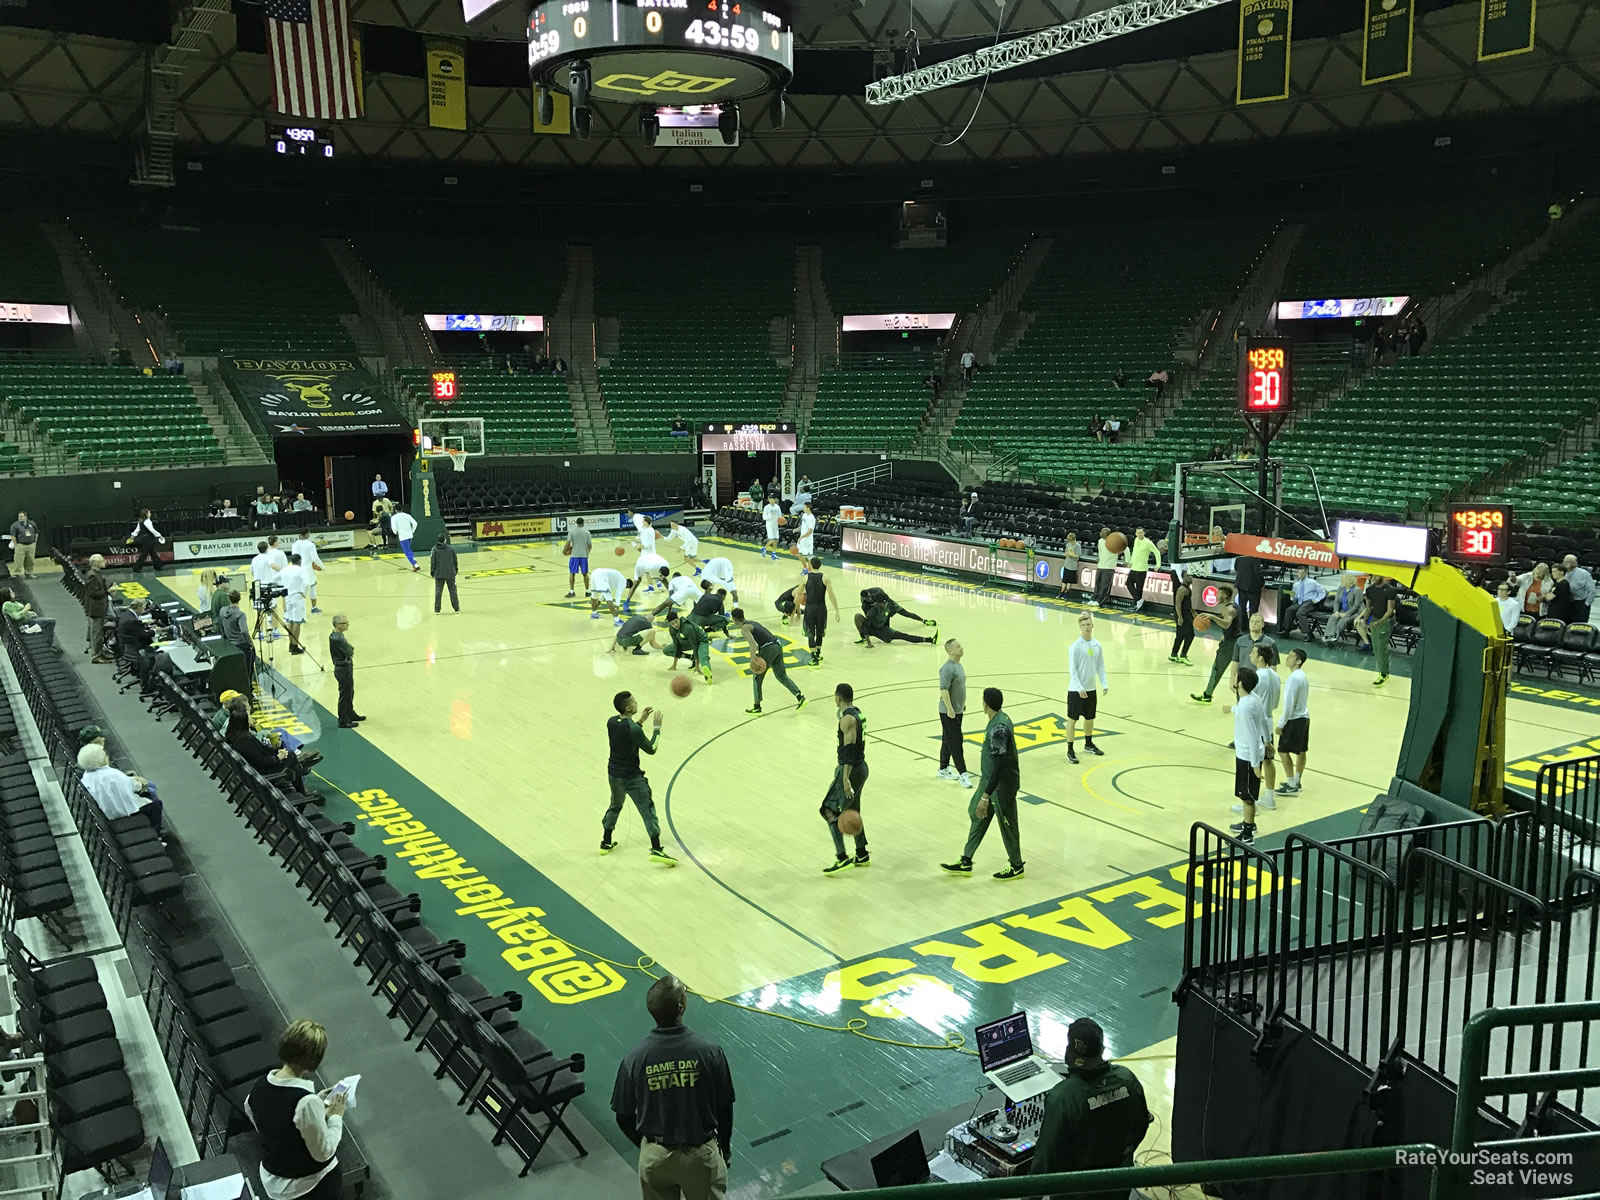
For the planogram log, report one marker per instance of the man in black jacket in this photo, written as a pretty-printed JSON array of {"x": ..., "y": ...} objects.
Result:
[
  {"x": 442, "y": 566},
  {"x": 1095, "y": 1118}
]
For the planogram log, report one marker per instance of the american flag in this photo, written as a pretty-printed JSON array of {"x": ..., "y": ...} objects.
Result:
[{"x": 313, "y": 67}]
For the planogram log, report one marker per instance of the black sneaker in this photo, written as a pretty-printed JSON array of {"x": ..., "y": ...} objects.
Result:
[
  {"x": 639, "y": 650},
  {"x": 1072, "y": 756},
  {"x": 1091, "y": 748},
  {"x": 864, "y": 858},
  {"x": 842, "y": 864},
  {"x": 1014, "y": 872},
  {"x": 1246, "y": 834},
  {"x": 755, "y": 708},
  {"x": 607, "y": 845},
  {"x": 1200, "y": 698},
  {"x": 816, "y": 658},
  {"x": 961, "y": 867},
  {"x": 799, "y": 703},
  {"x": 659, "y": 854}
]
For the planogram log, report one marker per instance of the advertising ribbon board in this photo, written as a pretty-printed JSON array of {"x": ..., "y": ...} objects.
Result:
[
  {"x": 188, "y": 550},
  {"x": 297, "y": 397}
]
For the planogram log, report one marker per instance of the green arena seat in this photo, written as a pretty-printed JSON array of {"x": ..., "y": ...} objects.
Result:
[
  {"x": 705, "y": 356},
  {"x": 230, "y": 289}
]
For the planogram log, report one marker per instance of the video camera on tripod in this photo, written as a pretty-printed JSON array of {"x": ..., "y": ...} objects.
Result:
[{"x": 266, "y": 594}]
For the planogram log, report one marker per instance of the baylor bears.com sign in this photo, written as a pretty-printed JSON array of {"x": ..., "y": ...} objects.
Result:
[{"x": 310, "y": 397}]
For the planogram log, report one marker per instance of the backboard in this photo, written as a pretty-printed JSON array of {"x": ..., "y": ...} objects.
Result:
[
  {"x": 455, "y": 438},
  {"x": 1213, "y": 499}
]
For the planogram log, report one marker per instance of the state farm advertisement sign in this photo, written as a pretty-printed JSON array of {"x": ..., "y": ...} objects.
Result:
[{"x": 1318, "y": 555}]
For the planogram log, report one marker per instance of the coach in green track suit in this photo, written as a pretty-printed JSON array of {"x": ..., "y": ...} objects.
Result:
[
  {"x": 689, "y": 641},
  {"x": 996, "y": 795},
  {"x": 765, "y": 646}
]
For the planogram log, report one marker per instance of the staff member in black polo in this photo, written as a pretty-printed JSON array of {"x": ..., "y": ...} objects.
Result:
[
  {"x": 1095, "y": 1118},
  {"x": 674, "y": 1100}
]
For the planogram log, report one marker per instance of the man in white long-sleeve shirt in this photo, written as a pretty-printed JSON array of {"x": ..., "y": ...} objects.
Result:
[
  {"x": 1264, "y": 658},
  {"x": 1294, "y": 726},
  {"x": 1086, "y": 666},
  {"x": 686, "y": 539},
  {"x": 145, "y": 538},
  {"x": 1252, "y": 730}
]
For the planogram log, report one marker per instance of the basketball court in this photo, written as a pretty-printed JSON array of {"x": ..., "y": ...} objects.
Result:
[{"x": 481, "y": 774}]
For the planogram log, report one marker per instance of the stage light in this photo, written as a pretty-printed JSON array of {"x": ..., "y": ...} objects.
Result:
[
  {"x": 728, "y": 124},
  {"x": 547, "y": 105},
  {"x": 581, "y": 123},
  {"x": 777, "y": 110}
]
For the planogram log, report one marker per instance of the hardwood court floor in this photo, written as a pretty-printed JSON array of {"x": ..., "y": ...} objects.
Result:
[{"x": 501, "y": 711}]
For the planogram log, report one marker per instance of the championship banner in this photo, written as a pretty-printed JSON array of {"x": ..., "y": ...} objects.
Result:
[
  {"x": 447, "y": 85},
  {"x": 1264, "y": 27},
  {"x": 358, "y": 69},
  {"x": 309, "y": 397},
  {"x": 245, "y": 547},
  {"x": 1386, "y": 40},
  {"x": 1505, "y": 27},
  {"x": 560, "y": 115}
]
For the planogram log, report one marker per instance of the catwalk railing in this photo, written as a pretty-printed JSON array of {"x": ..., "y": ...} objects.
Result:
[{"x": 1387, "y": 944}]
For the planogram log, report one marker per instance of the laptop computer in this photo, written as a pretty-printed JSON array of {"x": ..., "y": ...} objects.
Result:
[
  {"x": 904, "y": 1162},
  {"x": 1005, "y": 1054}
]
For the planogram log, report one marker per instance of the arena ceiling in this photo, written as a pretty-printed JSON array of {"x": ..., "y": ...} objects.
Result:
[{"x": 1165, "y": 91}]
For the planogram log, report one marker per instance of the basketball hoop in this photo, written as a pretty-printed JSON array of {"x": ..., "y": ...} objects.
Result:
[{"x": 458, "y": 459}]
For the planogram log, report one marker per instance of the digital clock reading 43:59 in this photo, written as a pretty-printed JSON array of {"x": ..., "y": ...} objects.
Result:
[
  {"x": 1266, "y": 376},
  {"x": 1477, "y": 533}
]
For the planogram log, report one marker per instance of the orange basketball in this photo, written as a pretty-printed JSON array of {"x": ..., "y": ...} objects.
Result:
[
  {"x": 850, "y": 822},
  {"x": 681, "y": 685},
  {"x": 566, "y": 547},
  {"x": 783, "y": 520},
  {"x": 758, "y": 665},
  {"x": 620, "y": 551},
  {"x": 348, "y": 515},
  {"x": 1202, "y": 622},
  {"x": 1116, "y": 542}
]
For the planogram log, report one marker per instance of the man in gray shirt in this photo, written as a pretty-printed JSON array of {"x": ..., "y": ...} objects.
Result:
[
  {"x": 234, "y": 626},
  {"x": 952, "y": 704},
  {"x": 1579, "y": 581},
  {"x": 442, "y": 566},
  {"x": 579, "y": 542},
  {"x": 25, "y": 538}
]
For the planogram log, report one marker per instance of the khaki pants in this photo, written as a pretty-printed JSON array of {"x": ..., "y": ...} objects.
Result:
[
  {"x": 695, "y": 1174},
  {"x": 22, "y": 560}
]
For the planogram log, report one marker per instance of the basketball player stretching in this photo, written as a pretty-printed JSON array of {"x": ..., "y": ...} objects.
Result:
[
  {"x": 627, "y": 738},
  {"x": 849, "y": 777}
]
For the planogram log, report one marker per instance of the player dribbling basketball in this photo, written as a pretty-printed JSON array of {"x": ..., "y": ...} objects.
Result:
[{"x": 849, "y": 777}]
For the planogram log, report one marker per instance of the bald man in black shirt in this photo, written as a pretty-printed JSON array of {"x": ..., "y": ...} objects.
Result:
[{"x": 673, "y": 1098}]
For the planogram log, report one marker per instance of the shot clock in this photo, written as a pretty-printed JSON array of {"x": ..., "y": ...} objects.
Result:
[
  {"x": 1477, "y": 533},
  {"x": 1266, "y": 376},
  {"x": 445, "y": 390}
]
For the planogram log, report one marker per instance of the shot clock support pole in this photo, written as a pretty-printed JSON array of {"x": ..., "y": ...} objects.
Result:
[{"x": 1265, "y": 428}]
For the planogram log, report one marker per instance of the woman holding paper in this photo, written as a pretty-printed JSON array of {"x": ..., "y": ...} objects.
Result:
[{"x": 299, "y": 1126}]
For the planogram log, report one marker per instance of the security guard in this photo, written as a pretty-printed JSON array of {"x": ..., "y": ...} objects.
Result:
[
  {"x": 674, "y": 1100},
  {"x": 1096, "y": 1117}
]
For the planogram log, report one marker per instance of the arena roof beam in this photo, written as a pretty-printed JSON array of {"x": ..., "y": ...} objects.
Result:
[{"x": 1058, "y": 39}]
